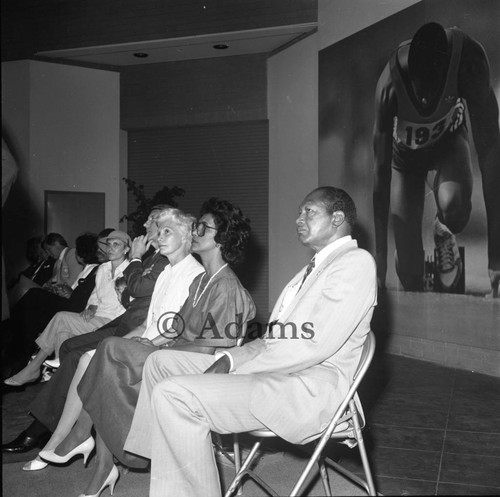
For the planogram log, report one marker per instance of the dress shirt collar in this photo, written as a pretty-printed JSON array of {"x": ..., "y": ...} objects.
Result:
[
  {"x": 188, "y": 260},
  {"x": 122, "y": 266},
  {"x": 326, "y": 251},
  {"x": 62, "y": 254},
  {"x": 320, "y": 257},
  {"x": 83, "y": 274},
  {"x": 118, "y": 271}
]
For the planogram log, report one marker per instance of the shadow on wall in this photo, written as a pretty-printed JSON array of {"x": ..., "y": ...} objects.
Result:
[
  {"x": 250, "y": 271},
  {"x": 363, "y": 236},
  {"x": 21, "y": 219}
]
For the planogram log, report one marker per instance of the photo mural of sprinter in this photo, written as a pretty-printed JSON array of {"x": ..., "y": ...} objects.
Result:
[
  {"x": 421, "y": 125},
  {"x": 434, "y": 97}
]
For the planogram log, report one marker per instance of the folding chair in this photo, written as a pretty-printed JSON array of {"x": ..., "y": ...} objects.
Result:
[
  {"x": 345, "y": 426},
  {"x": 235, "y": 457}
]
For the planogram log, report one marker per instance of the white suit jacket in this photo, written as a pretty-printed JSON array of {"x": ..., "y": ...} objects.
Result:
[{"x": 300, "y": 381}]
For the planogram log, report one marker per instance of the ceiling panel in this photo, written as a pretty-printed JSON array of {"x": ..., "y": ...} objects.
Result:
[
  {"x": 39, "y": 26},
  {"x": 263, "y": 40}
]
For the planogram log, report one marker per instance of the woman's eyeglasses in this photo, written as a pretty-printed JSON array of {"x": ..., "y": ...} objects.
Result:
[{"x": 201, "y": 227}]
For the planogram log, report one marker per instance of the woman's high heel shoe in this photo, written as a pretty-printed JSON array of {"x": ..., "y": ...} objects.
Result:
[
  {"x": 84, "y": 448},
  {"x": 35, "y": 465},
  {"x": 110, "y": 482},
  {"x": 10, "y": 382}
]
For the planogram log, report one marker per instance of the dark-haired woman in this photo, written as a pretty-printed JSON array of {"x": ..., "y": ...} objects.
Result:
[
  {"x": 217, "y": 305},
  {"x": 37, "y": 307}
]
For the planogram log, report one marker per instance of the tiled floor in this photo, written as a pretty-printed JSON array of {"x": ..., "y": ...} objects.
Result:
[{"x": 431, "y": 431}]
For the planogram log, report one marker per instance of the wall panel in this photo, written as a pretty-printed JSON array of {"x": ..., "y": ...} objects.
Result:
[
  {"x": 194, "y": 92},
  {"x": 229, "y": 161}
]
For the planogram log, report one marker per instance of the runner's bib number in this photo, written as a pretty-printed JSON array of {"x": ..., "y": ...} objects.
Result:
[{"x": 420, "y": 135}]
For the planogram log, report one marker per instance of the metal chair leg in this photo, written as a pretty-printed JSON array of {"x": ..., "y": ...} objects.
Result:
[
  {"x": 324, "y": 477},
  {"x": 364, "y": 457},
  {"x": 237, "y": 458},
  {"x": 243, "y": 470}
]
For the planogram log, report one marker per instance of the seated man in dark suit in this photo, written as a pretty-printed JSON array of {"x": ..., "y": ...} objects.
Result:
[
  {"x": 146, "y": 264},
  {"x": 41, "y": 263},
  {"x": 37, "y": 307}
]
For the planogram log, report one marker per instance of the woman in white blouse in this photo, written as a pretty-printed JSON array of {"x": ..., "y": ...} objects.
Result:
[
  {"x": 170, "y": 292},
  {"x": 102, "y": 306}
]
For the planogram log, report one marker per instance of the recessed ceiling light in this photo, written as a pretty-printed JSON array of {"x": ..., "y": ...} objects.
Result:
[
  {"x": 141, "y": 55},
  {"x": 221, "y": 46}
]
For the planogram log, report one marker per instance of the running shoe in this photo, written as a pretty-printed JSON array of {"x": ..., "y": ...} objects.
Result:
[{"x": 449, "y": 265}]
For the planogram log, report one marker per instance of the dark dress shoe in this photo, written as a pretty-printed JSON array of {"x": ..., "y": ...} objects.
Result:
[
  {"x": 25, "y": 443},
  {"x": 11, "y": 388}
]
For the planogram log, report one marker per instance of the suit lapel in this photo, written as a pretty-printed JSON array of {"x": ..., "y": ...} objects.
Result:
[
  {"x": 149, "y": 257},
  {"x": 295, "y": 280},
  {"x": 311, "y": 279}
]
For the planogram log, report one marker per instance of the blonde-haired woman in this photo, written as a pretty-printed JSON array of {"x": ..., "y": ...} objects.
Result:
[{"x": 170, "y": 291}]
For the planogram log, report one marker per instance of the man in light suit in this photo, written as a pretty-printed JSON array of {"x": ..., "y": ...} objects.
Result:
[
  {"x": 290, "y": 381},
  {"x": 67, "y": 268}
]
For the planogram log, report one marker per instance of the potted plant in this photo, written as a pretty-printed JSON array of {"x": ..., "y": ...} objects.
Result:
[{"x": 144, "y": 204}]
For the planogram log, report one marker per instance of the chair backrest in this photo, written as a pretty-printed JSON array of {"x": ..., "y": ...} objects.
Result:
[
  {"x": 241, "y": 338},
  {"x": 366, "y": 358},
  {"x": 364, "y": 363}
]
